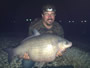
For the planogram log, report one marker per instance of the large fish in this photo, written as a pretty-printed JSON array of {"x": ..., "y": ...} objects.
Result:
[{"x": 40, "y": 48}]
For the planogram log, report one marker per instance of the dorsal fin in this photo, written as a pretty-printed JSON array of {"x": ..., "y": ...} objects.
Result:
[{"x": 35, "y": 32}]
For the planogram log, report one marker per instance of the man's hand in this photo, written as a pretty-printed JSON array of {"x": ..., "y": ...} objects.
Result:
[
  {"x": 26, "y": 56},
  {"x": 58, "y": 54}
]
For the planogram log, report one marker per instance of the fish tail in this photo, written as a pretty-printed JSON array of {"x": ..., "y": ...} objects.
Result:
[{"x": 10, "y": 54}]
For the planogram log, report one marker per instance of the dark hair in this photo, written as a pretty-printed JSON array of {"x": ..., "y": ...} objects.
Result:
[{"x": 48, "y": 7}]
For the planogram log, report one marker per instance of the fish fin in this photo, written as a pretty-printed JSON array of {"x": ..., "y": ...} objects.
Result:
[
  {"x": 35, "y": 32},
  {"x": 10, "y": 54}
]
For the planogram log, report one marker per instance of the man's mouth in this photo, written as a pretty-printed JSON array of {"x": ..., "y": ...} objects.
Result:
[{"x": 50, "y": 19}]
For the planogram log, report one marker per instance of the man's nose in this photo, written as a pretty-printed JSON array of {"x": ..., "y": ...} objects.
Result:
[{"x": 49, "y": 16}]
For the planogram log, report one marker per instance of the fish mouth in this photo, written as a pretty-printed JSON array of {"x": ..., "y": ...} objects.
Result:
[{"x": 70, "y": 44}]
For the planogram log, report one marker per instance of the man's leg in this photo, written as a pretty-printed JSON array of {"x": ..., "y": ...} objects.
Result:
[{"x": 27, "y": 63}]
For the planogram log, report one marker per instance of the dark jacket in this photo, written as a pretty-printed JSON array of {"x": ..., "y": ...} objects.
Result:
[{"x": 37, "y": 24}]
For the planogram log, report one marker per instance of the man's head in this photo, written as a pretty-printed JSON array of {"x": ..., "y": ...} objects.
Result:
[{"x": 48, "y": 14}]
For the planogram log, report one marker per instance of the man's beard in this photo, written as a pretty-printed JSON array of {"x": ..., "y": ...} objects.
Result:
[{"x": 49, "y": 24}]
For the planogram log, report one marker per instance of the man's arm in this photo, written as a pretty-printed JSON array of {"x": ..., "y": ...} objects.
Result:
[{"x": 59, "y": 29}]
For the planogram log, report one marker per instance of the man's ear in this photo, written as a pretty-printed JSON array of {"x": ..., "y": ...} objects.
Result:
[{"x": 42, "y": 15}]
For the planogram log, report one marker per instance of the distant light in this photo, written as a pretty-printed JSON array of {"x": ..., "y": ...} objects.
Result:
[
  {"x": 85, "y": 21},
  {"x": 30, "y": 19},
  {"x": 73, "y": 21},
  {"x": 69, "y": 21},
  {"x": 81, "y": 21},
  {"x": 26, "y": 19}
]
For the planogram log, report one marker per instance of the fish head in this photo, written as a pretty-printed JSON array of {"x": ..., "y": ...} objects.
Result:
[{"x": 64, "y": 44}]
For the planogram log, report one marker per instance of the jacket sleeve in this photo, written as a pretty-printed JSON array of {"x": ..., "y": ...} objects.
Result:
[{"x": 59, "y": 30}]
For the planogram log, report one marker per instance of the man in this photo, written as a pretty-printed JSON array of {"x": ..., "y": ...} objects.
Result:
[{"x": 45, "y": 25}]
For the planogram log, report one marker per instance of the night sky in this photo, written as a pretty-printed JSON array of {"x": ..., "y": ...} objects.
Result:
[{"x": 13, "y": 15}]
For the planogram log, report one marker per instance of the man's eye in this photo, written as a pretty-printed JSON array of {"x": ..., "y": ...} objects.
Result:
[
  {"x": 46, "y": 14},
  {"x": 49, "y": 14},
  {"x": 52, "y": 14}
]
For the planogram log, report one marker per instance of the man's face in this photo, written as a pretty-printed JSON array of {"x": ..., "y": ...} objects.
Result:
[{"x": 48, "y": 17}]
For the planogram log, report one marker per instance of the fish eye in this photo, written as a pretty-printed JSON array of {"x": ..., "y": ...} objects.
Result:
[{"x": 66, "y": 42}]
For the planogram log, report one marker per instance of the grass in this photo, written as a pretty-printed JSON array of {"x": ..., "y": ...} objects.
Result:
[{"x": 74, "y": 56}]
